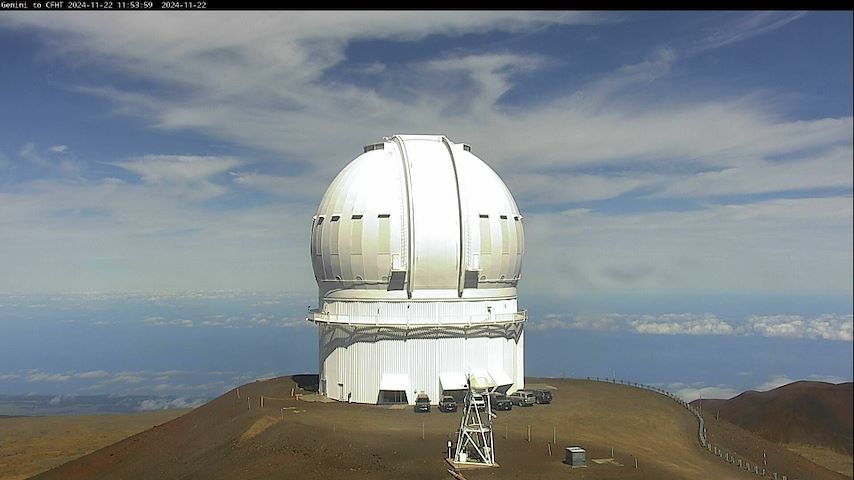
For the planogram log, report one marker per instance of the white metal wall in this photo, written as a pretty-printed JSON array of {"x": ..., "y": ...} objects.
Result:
[
  {"x": 429, "y": 207},
  {"x": 421, "y": 313},
  {"x": 356, "y": 367}
]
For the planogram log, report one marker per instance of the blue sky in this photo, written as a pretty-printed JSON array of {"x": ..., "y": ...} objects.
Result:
[{"x": 683, "y": 175}]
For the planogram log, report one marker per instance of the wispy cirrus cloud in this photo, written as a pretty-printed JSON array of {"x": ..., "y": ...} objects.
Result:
[
  {"x": 745, "y": 27},
  {"x": 790, "y": 245},
  {"x": 54, "y": 160},
  {"x": 186, "y": 175},
  {"x": 293, "y": 86},
  {"x": 298, "y": 187}
]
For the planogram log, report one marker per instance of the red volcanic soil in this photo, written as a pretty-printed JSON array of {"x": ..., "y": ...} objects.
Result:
[
  {"x": 809, "y": 413},
  {"x": 234, "y": 438}
]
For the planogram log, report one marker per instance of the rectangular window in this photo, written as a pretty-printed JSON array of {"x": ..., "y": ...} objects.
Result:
[
  {"x": 356, "y": 235},
  {"x": 384, "y": 240},
  {"x": 519, "y": 236},
  {"x": 505, "y": 235},
  {"x": 485, "y": 236},
  {"x": 333, "y": 234},
  {"x": 318, "y": 236}
]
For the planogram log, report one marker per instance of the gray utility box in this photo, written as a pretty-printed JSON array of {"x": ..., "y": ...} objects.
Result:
[{"x": 576, "y": 456}]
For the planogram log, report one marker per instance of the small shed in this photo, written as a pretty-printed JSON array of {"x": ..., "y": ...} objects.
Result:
[{"x": 576, "y": 457}]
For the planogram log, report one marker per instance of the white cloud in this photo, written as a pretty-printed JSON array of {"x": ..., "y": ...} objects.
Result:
[
  {"x": 172, "y": 373},
  {"x": 125, "y": 377},
  {"x": 689, "y": 394},
  {"x": 827, "y": 169},
  {"x": 825, "y": 327},
  {"x": 270, "y": 83},
  {"x": 747, "y": 26},
  {"x": 160, "y": 321},
  {"x": 828, "y": 378},
  {"x": 47, "y": 377},
  {"x": 792, "y": 246},
  {"x": 282, "y": 186},
  {"x": 163, "y": 404},
  {"x": 561, "y": 188},
  {"x": 293, "y": 322},
  {"x": 281, "y": 58},
  {"x": 186, "y": 175},
  {"x": 52, "y": 159},
  {"x": 775, "y": 382},
  {"x": 605, "y": 322},
  {"x": 256, "y": 320},
  {"x": 170, "y": 245},
  {"x": 92, "y": 375},
  {"x": 29, "y": 152},
  {"x": 666, "y": 324},
  {"x": 681, "y": 324}
]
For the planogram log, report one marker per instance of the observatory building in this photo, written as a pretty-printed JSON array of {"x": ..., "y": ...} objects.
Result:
[{"x": 417, "y": 249}]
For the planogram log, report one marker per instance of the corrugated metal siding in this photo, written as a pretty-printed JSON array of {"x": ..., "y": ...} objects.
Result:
[{"x": 356, "y": 367}]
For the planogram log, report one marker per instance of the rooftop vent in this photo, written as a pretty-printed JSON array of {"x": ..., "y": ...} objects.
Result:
[{"x": 374, "y": 146}]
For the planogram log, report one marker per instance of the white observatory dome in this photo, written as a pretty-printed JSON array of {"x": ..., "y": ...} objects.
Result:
[
  {"x": 417, "y": 249},
  {"x": 417, "y": 216}
]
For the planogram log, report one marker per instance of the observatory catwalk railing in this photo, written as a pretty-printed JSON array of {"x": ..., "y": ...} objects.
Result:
[
  {"x": 729, "y": 457},
  {"x": 406, "y": 322}
]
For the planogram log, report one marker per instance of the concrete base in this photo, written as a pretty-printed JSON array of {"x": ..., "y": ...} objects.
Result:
[
  {"x": 313, "y": 397},
  {"x": 468, "y": 465}
]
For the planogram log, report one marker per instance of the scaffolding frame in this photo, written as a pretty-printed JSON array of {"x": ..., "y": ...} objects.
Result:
[{"x": 476, "y": 443}]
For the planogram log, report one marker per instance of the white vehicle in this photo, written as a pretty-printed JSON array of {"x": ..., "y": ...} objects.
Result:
[{"x": 523, "y": 398}]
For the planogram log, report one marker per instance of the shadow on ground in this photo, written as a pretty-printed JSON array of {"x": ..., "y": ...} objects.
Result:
[{"x": 307, "y": 382}]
